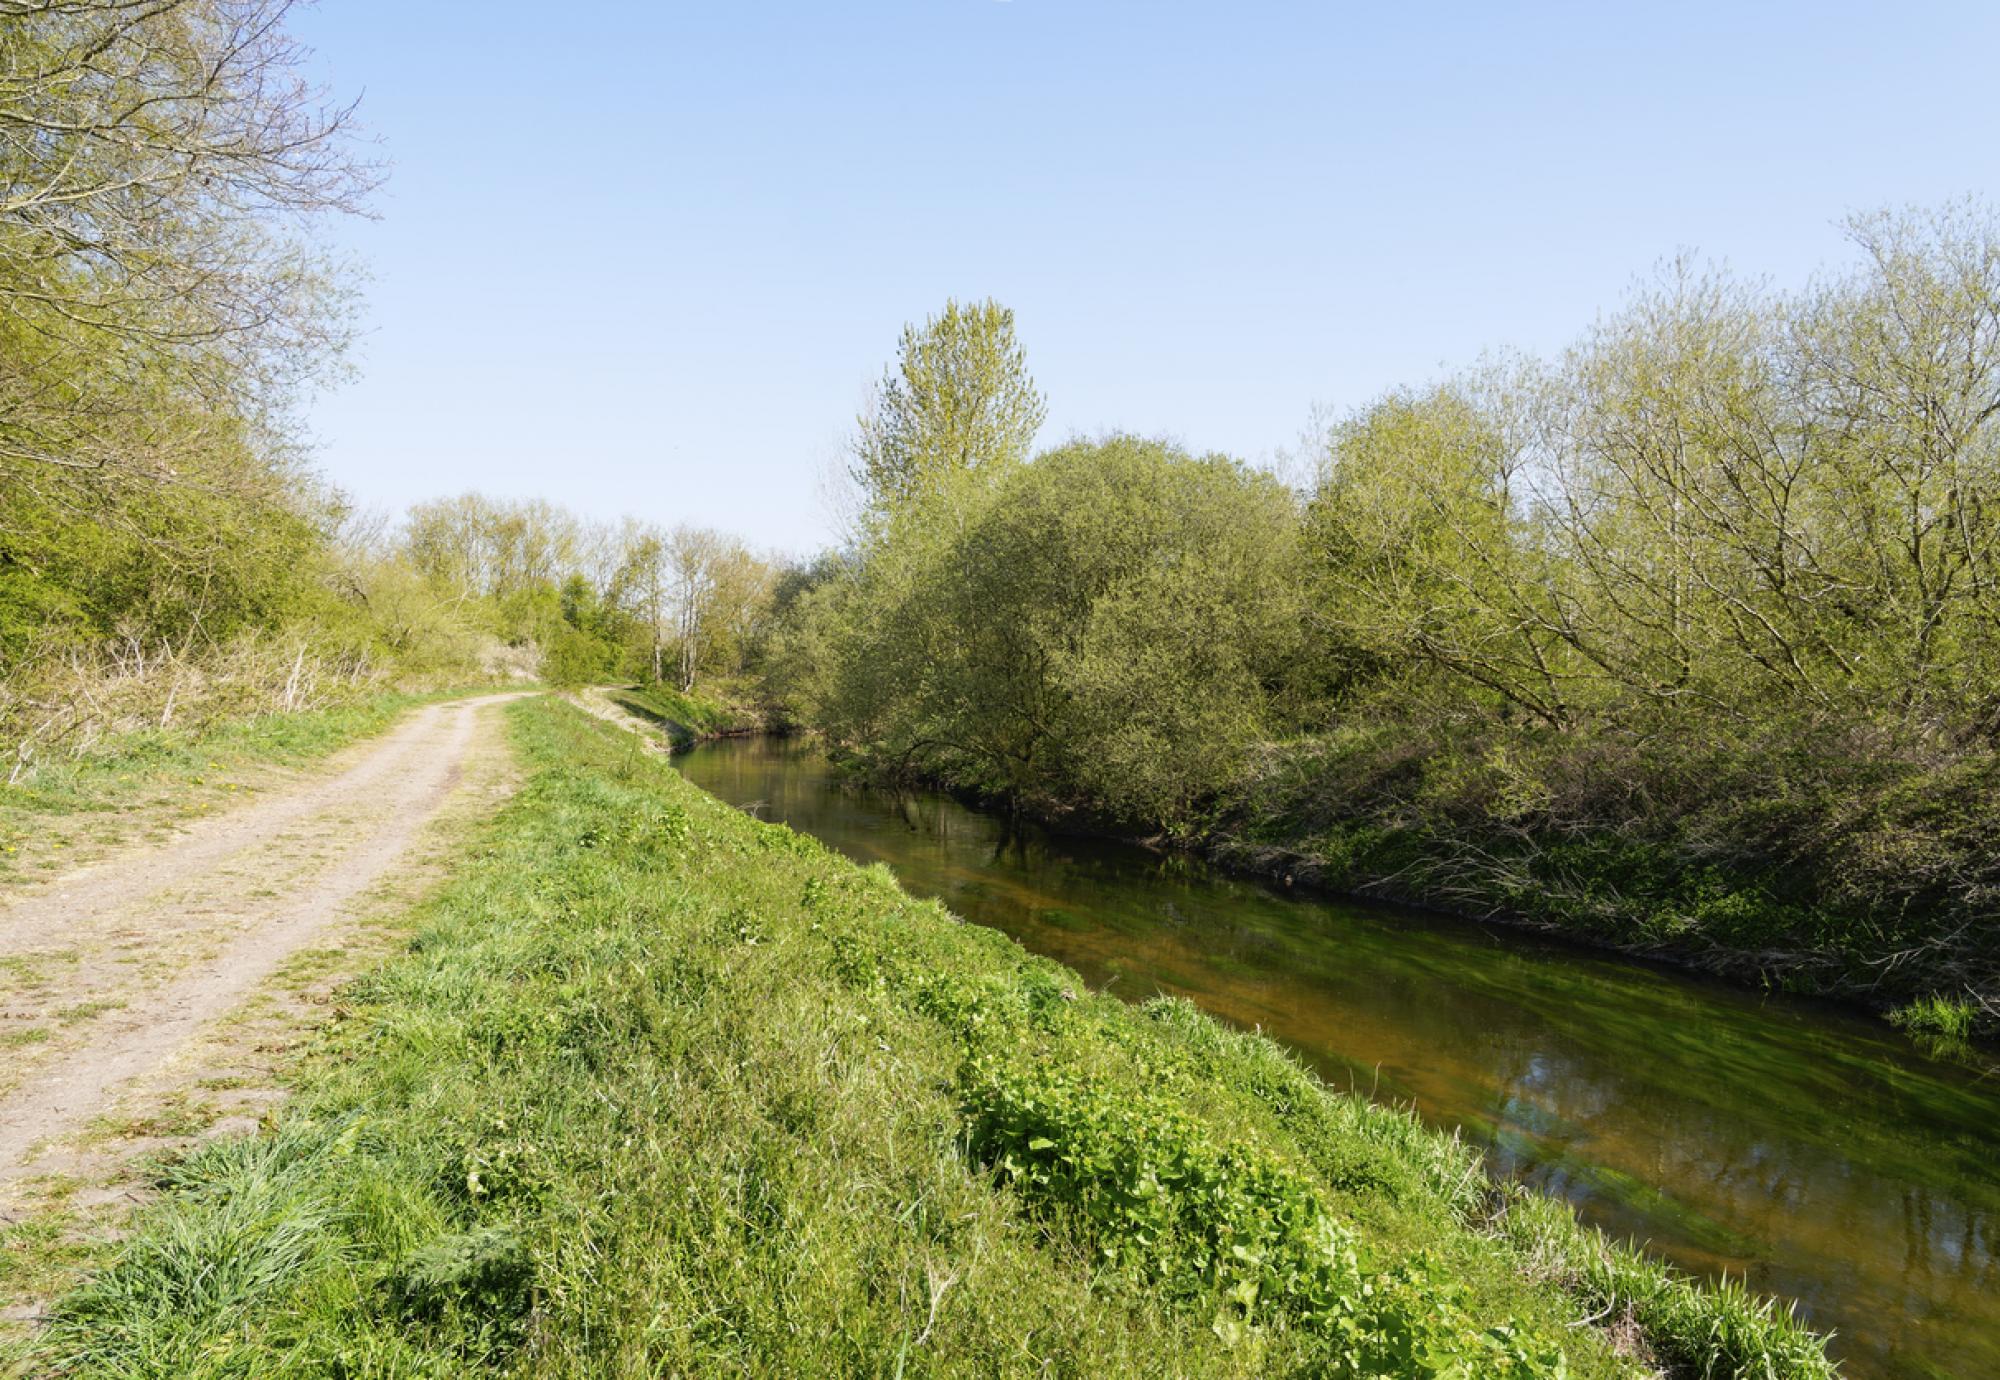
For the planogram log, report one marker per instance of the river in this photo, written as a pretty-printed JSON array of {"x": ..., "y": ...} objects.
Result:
[{"x": 1809, "y": 1150}]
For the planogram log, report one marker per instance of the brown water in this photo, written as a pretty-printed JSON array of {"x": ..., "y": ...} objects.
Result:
[{"x": 1813, "y": 1152}]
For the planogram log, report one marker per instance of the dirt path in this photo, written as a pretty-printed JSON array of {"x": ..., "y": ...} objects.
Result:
[{"x": 109, "y": 973}]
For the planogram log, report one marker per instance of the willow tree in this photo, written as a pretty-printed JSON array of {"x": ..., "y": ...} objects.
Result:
[
  {"x": 1723, "y": 504},
  {"x": 1786, "y": 503},
  {"x": 1105, "y": 624},
  {"x": 958, "y": 398}
]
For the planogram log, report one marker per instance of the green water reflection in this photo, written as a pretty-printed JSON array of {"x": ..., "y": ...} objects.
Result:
[{"x": 1812, "y": 1152}]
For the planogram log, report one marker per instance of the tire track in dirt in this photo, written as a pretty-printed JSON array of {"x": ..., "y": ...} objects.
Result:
[{"x": 154, "y": 944}]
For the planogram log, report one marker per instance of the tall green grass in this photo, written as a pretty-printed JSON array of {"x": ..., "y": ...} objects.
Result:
[{"x": 662, "y": 1090}]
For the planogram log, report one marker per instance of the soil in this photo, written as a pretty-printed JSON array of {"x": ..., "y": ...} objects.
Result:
[{"x": 142, "y": 997}]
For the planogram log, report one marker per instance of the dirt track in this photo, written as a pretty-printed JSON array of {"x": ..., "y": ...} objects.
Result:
[{"x": 107, "y": 974}]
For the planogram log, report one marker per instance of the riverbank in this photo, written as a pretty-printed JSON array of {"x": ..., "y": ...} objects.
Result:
[
  {"x": 1860, "y": 882},
  {"x": 1783, "y": 864},
  {"x": 661, "y": 1086},
  {"x": 1779, "y": 1141},
  {"x": 687, "y": 717}
]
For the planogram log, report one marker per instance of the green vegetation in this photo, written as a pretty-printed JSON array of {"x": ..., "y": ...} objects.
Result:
[
  {"x": 599, "y": 602},
  {"x": 1035, "y": 643},
  {"x": 162, "y": 551},
  {"x": 684, "y": 716},
  {"x": 661, "y": 1088},
  {"x": 1944, "y": 1024},
  {"x": 959, "y": 399},
  {"x": 160, "y": 304},
  {"x": 1681, "y": 642},
  {"x": 464, "y": 592}
]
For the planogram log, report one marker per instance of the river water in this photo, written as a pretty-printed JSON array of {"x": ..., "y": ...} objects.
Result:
[{"x": 1811, "y": 1151}]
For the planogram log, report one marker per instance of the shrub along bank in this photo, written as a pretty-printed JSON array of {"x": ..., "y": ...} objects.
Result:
[
  {"x": 1784, "y": 860},
  {"x": 1680, "y": 640},
  {"x": 662, "y": 1089}
]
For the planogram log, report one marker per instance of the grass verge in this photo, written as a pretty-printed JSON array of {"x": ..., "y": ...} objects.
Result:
[
  {"x": 660, "y": 1089},
  {"x": 685, "y": 717}
]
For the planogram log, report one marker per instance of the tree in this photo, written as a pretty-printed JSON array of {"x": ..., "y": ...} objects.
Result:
[
  {"x": 739, "y": 600},
  {"x": 959, "y": 398},
  {"x": 1722, "y": 503},
  {"x": 159, "y": 304},
  {"x": 1106, "y": 623},
  {"x": 156, "y": 161},
  {"x": 446, "y": 541},
  {"x": 641, "y": 585},
  {"x": 693, "y": 555},
  {"x": 1423, "y": 549}
]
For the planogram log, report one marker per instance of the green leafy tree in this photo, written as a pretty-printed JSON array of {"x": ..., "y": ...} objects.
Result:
[
  {"x": 1424, "y": 551},
  {"x": 959, "y": 398},
  {"x": 159, "y": 307},
  {"x": 1108, "y": 624}
]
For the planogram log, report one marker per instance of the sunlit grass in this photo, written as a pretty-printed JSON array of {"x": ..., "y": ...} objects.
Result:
[
  {"x": 1944, "y": 1025},
  {"x": 659, "y": 1089},
  {"x": 685, "y": 717}
]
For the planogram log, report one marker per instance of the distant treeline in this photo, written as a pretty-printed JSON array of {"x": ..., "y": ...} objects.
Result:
[
  {"x": 592, "y": 601},
  {"x": 320, "y": 606},
  {"x": 1685, "y": 639}
]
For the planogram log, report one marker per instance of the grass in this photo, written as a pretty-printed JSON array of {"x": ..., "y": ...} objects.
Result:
[
  {"x": 1945, "y": 1018},
  {"x": 659, "y": 1089},
  {"x": 1944, "y": 1025},
  {"x": 43, "y": 1251},
  {"x": 685, "y": 717},
  {"x": 179, "y": 1114},
  {"x": 87, "y": 1011}
]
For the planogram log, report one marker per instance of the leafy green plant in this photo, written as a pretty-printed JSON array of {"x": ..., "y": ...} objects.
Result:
[
  {"x": 1943, "y": 1023},
  {"x": 1224, "y": 1226},
  {"x": 488, "y": 1272}
]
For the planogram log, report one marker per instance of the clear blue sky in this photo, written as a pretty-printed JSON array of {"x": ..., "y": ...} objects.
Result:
[{"x": 647, "y": 257}]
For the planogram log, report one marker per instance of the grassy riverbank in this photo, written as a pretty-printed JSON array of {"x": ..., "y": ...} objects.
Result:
[
  {"x": 1768, "y": 864},
  {"x": 661, "y": 1088},
  {"x": 1787, "y": 862},
  {"x": 687, "y": 717}
]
